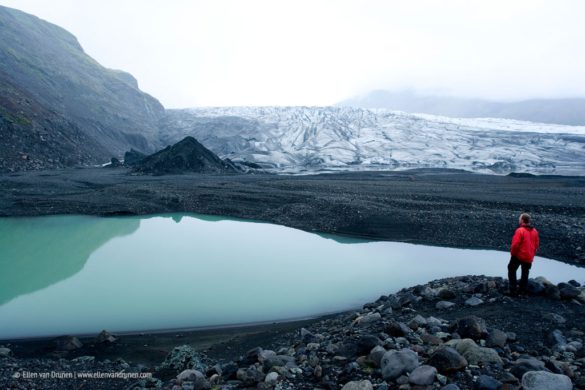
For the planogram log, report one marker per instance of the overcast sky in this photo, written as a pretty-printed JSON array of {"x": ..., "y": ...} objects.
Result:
[{"x": 317, "y": 52}]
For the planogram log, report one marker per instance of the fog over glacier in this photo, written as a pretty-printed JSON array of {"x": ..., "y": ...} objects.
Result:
[{"x": 260, "y": 52}]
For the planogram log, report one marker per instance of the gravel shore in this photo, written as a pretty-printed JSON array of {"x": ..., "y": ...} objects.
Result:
[{"x": 435, "y": 207}]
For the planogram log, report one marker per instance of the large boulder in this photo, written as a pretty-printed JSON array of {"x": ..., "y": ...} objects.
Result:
[
  {"x": 541, "y": 380},
  {"x": 396, "y": 363}
]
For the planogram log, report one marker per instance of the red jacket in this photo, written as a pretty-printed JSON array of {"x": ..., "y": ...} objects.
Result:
[{"x": 525, "y": 243}]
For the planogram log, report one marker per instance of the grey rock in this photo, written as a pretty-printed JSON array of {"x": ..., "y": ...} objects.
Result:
[
  {"x": 250, "y": 376},
  {"x": 376, "y": 355},
  {"x": 535, "y": 287},
  {"x": 442, "y": 305},
  {"x": 473, "y": 301},
  {"x": 397, "y": 329},
  {"x": 496, "y": 338},
  {"x": 198, "y": 380},
  {"x": 451, "y": 386},
  {"x": 470, "y": 327},
  {"x": 423, "y": 375},
  {"x": 447, "y": 359},
  {"x": 552, "y": 291},
  {"x": 541, "y": 380},
  {"x": 271, "y": 378},
  {"x": 568, "y": 291},
  {"x": 367, "y": 319},
  {"x": 365, "y": 344},
  {"x": 486, "y": 382},
  {"x": 183, "y": 357},
  {"x": 396, "y": 363},
  {"x": 355, "y": 385},
  {"x": 522, "y": 366},
  {"x": 556, "y": 318},
  {"x": 574, "y": 283},
  {"x": 280, "y": 361},
  {"x": 473, "y": 353},
  {"x": 5, "y": 352},
  {"x": 556, "y": 339},
  {"x": 307, "y": 336}
]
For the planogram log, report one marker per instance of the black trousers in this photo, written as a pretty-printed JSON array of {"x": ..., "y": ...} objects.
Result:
[{"x": 512, "y": 268}]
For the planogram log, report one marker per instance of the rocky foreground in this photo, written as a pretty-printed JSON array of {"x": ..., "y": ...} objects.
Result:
[{"x": 456, "y": 333}]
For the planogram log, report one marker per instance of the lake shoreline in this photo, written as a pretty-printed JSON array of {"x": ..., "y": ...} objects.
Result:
[
  {"x": 424, "y": 206},
  {"x": 317, "y": 352}
]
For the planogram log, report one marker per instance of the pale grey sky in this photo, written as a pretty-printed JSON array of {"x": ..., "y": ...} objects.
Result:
[{"x": 318, "y": 52}]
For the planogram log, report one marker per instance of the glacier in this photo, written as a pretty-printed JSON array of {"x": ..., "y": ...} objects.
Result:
[{"x": 305, "y": 140}]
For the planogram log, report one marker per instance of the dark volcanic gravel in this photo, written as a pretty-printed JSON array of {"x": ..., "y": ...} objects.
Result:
[{"x": 437, "y": 207}]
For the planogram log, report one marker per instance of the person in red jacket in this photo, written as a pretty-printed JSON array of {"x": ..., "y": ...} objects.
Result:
[{"x": 524, "y": 246}]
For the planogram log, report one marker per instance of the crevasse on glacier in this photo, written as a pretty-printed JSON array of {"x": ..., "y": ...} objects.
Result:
[{"x": 315, "y": 139}]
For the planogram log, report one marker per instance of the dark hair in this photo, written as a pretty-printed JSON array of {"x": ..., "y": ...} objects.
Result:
[{"x": 525, "y": 217}]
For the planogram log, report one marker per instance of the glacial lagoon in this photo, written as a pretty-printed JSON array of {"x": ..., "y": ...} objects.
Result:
[{"x": 81, "y": 274}]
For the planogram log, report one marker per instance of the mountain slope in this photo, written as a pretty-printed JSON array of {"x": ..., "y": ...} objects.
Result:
[
  {"x": 568, "y": 111},
  {"x": 61, "y": 103},
  {"x": 312, "y": 139}
]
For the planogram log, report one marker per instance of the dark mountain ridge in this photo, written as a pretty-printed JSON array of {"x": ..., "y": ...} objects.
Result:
[
  {"x": 59, "y": 107},
  {"x": 565, "y": 111}
]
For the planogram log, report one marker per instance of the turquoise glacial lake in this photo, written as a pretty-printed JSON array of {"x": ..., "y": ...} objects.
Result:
[{"x": 79, "y": 274}]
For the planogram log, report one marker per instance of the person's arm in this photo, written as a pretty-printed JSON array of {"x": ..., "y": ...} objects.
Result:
[
  {"x": 516, "y": 242},
  {"x": 537, "y": 242}
]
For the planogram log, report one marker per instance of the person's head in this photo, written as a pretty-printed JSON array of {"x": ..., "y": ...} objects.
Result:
[{"x": 524, "y": 219}]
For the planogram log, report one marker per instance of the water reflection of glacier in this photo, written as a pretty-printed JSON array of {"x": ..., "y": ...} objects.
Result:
[{"x": 175, "y": 271}]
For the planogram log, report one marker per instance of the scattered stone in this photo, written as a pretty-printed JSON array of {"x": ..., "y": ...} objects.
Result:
[
  {"x": 271, "y": 378},
  {"x": 522, "y": 366},
  {"x": 423, "y": 375},
  {"x": 559, "y": 319},
  {"x": 442, "y": 305},
  {"x": 574, "y": 283},
  {"x": 376, "y": 355},
  {"x": 535, "y": 287},
  {"x": 447, "y": 359},
  {"x": 541, "y": 380},
  {"x": 196, "y": 379},
  {"x": 470, "y": 327},
  {"x": 486, "y": 382},
  {"x": 67, "y": 343},
  {"x": 396, "y": 363},
  {"x": 5, "y": 352},
  {"x": 367, "y": 319},
  {"x": 361, "y": 385},
  {"x": 473, "y": 353},
  {"x": 568, "y": 291},
  {"x": 182, "y": 358},
  {"x": 473, "y": 301},
  {"x": 397, "y": 329},
  {"x": 105, "y": 337},
  {"x": 496, "y": 338}
]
